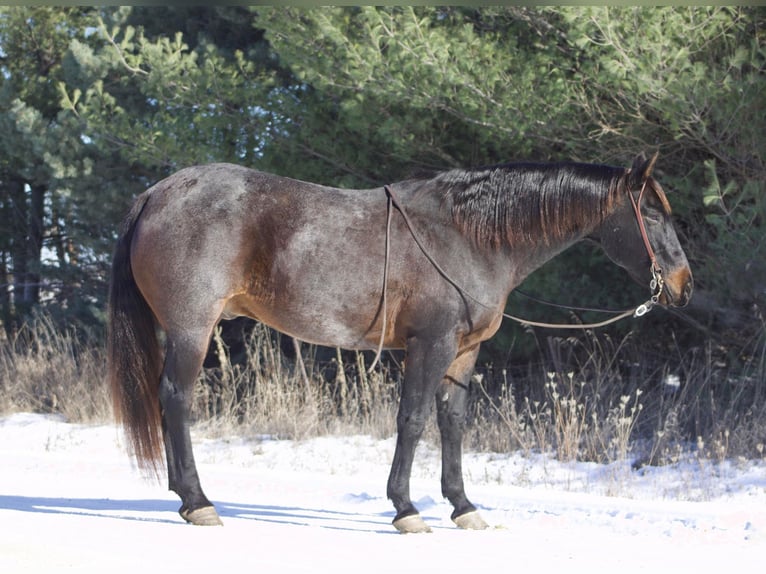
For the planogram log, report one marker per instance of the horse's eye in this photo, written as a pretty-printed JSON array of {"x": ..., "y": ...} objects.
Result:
[{"x": 653, "y": 217}]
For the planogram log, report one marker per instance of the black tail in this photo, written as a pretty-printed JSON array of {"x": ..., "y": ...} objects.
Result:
[{"x": 134, "y": 355}]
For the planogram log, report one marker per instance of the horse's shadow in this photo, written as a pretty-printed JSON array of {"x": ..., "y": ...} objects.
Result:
[
  {"x": 301, "y": 516},
  {"x": 156, "y": 511},
  {"x": 95, "y": 507}
]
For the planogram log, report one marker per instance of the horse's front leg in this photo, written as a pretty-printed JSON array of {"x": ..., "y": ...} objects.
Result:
[
  {"x": 426, "y": 363},
  {"x": 451, "y": 406}
]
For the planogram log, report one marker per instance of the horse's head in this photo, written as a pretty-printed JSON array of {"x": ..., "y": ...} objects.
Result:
[{"x": 639, "y": 236}]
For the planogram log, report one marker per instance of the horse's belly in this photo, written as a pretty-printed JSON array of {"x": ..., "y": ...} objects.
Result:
[{"x": 319, "y": 324}]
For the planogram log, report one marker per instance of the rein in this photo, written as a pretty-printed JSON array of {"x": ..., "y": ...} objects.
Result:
[{"x": 656, "y": 284}]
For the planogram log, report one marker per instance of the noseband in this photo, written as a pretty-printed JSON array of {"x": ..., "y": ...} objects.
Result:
[{"x": 657, "y": 284}]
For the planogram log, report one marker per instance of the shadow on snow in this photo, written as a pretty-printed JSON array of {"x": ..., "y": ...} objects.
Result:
[{"x": 156, "y": 510}]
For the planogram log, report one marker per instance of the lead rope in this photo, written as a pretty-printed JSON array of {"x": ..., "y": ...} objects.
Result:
[{"x": 657, "y": 283}]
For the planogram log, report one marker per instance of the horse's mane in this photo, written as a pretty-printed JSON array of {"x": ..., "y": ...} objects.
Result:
[{"x": 528, "y": 203}]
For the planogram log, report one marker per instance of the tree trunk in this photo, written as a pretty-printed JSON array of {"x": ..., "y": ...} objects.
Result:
[
  {"x": 27, "y": 205},
  {"x": 35, "y": 230},
  {"x": 5, "y": 294}
]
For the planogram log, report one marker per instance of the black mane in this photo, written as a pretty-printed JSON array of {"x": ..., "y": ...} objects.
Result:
[{"x": 528, "y": 202}]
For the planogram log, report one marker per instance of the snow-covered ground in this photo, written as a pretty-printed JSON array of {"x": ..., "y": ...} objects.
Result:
[{"x": 71, "y": 500}]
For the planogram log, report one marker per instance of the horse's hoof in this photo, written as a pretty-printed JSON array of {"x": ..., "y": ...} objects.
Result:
[
  {"x": 205, "y": 516},
  {"x": 412, "y": 524},
  {"x": 470, "y": 521}
]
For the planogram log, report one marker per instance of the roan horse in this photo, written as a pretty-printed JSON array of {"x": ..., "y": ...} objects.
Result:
[{"x": 428, "y": 272}]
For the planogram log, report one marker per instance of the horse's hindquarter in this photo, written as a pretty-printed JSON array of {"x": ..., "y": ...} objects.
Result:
[{"x": 188, "y": 246}]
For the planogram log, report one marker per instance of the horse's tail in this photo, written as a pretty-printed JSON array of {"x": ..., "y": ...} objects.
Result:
[{"x": 134, "y": 355}]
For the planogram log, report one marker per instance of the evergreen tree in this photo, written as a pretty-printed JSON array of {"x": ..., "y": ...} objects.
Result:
[{"x": 98, "y": 103}]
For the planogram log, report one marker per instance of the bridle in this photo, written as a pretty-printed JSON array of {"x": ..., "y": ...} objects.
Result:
[{"x": 657, "y": 284}]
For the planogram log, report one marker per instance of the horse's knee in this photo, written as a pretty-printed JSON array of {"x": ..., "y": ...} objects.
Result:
[{"x": 451, "y": 407}]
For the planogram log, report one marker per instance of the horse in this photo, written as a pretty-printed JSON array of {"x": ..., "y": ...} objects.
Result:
[{"x": 424, "y": 265}]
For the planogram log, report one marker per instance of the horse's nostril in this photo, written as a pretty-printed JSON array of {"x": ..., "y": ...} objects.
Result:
[
  {"x": 686, "y": 293},
  {"x": 679, "y": 286}
]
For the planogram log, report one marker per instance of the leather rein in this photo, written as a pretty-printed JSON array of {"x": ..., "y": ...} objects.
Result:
[{"x": 656, "y": 285}]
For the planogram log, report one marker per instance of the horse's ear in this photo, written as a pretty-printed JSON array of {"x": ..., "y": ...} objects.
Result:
[{"x": 641, "y": 170}]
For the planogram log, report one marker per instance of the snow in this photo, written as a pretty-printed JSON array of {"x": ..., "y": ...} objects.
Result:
[{"x": 71, "y": 500}]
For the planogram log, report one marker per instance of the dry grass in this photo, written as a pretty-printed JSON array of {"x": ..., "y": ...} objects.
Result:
[
  {"x": 596, "y": 400},
  {"x": 606, "y": 410},
  {"x": 266, "y": 394},
  {"x": 45, "y": 370}
]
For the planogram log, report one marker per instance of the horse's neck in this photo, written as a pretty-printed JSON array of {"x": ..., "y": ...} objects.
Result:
[
  {"x": 528, "y": 259},
  {"x": 525, "y": 258}
]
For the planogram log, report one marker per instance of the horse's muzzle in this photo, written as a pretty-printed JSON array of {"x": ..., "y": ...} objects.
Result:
[{"x": 678, "y": 288}]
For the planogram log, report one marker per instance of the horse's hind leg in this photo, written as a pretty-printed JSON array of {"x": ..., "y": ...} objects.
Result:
[
  {"x": 451, "y": 406},
  {"x": 184, "y": 356}
]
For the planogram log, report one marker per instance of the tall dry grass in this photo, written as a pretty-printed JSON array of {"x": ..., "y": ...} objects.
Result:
[
  {"x": 592, "y": 398},
  {"x": 609, "y": 405},
  {"x": 267, "y": 394},
  {"x": 46, "y": 370}
]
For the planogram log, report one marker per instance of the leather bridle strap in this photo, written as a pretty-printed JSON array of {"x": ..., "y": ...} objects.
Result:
[{"x": 657, "y": 283}]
